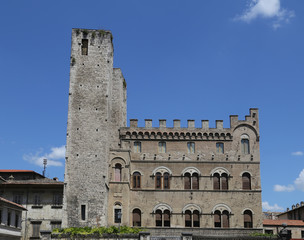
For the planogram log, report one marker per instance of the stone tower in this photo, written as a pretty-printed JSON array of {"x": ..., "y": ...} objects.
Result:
[{"x": 97, "y": 109}]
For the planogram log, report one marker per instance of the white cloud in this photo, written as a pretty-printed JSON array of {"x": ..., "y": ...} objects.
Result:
[
  {"x": 268, "y": 207},
  {"x": 299, "y": 182},
  {"x": 52, "y": 157},
  {"x": 270, "y": 9},
  {"x": 282, "y": 188},
  {"x": 298, "y": 153}
]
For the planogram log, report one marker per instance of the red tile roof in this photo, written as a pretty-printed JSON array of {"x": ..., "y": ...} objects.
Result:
[
  {"x": 14, "y": 170},
  {"x": 279, "y": 222},
  {"x": 12, "y": 203}
]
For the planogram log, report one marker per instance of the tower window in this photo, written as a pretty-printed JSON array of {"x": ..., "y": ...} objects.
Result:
[
  {"x": 84, "y": 46},
  {"x": 83, "y": 212},
  {"x": 191, "y": 147},
  {"x": 220, "y": 147},
  {"x": 137, "y": 147},
  {"x": 245, "y": 146},
  {"x": 162, "y": 147},
  {"x": 136, "y": 180}
]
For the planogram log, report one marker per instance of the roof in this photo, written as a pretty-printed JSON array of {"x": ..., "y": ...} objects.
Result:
[
  {"x": 12, "y": 203},
  {"x": 16, "y": 171},
  {"x": 43, "y": 181},
  {"x": 279, "y": 222},
  {"x": 291, "y": 210}
]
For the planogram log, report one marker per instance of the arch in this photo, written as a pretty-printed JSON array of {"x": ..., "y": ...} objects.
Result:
[
  {"x": 221, "y": 207},
  {"x": 136, "y": 179},
  {"x": 162, "y": 207},
  {"x": 192, "y": 207},
  {"x": 219, "y": 170},
  {"x": 246, "y": 181},
  {"x": 191, "y": 170},
  {"x": 136, "y": 217},
  {"x": 249, "y": 209},
  {"x": 118, "y": 204},
  {"x": 250, "y": 127},
  {"x": 248, "y": 220},
  {"x": 118, "y": 172},
  {"x": 118, "y": 160},
  {"x": 159, "y": 169}
]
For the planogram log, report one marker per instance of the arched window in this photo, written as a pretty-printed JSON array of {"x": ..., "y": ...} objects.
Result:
[
  {"x": 224, "y": 179},
  {"x": 117, "y": 213},
  {"x": 216, "y": 181},
  {"x": 158, "y": 180},
  {"x": 217, "y": 219},
  {"x": 245, "y": 146},
  {"x": 196, "y": 218},
  {"x": 117, "y": 172},
  {"x": 246, "y": 181},
  {"x": 195, "y": 181},
  {"x": 136, "y": 218},
  {"x": 225, "y": 219},
  {"x": 187, "y": 181},
  {"x": 158, "y": 218},
  {"x": 247, "y": 219},
  {"x": 188, "y": 218},
  {"x": 166, "y": 218},
  {"x": 136, "y": 180},
  {"x": 166, "y": 181}
]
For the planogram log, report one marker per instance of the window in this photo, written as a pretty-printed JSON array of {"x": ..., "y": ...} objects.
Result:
[
  {"x": 36, "y": 229},
  {"x": 83, "y": 212},
  {"x": 217, "y": 219},
  {"x": 220, "y": 182},
  {"x": 188, "y": 218},
  {"x": 136, "y": 180},
  {"x": 302, "y": 234},
  {"x": 162, "y": 219},
  {"x": 136, "y": 218},
  {"x": 246, "y": 181},
  {"x": 158, "y": 180},
  {"x": 192, "y": 219},
  {"x": 220, "y": 147},
  {"x": 245, "y": 146},
  {"x": 166, "y": 181},
  {"x": 224, "y": 181},
  {"x": 191, "y": 147},
  {"x": 18, "y": 199},
  {"x": 55, "y": 225},
  {"x": 84, "y": 47},
  {"x": 221, "y": 219},
  {"x": 162, "y": 181},
  {"x": 225, "y": 219},
  {"x": 187, "y": 181},
  {"x": 117, "y": 213},
  {"x": 57, "y": 199},
  {"x": 216, "y": 181},
  {"x": 9, "y": 218},
  {"x": 16, "y": 220},
  {"x": 191, "y": 181},
  {"x": 162, "y": 147},
  {"x": 247, "y": 219},
  {"x": 158, "y": 218},
  {"x": 137, "y": 147},
  {"x": 117, "y": 172},
  {"x": 196, "y": 218},
  {"x": 37, "y": 199}
]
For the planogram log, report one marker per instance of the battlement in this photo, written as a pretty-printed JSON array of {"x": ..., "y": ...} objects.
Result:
[
  {"x": 91, "y": 33},
  {"x": 190, "y": 132},
  {"x": 251, "y": 119}
]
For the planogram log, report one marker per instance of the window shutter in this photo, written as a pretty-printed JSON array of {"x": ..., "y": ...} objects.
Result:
[
  {"x": 166, "y": 218},
  {"x": 187, "y": 181},
  {"x": 195, "y": 181},
  {"x": 224, "y": 181},
  {"x": 196, "y": 219},
  {"x": 188, "y": 219},
  {"x": 136, "y": 218},
  {"x": 217, "y": 219},
  {"x": 246, "y": 181},
  {"x": 225, "y": 218},
  {"x": 216, "y": 181}
]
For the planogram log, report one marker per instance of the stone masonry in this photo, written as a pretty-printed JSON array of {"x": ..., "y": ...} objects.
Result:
[{"x": 204, "y": 180}]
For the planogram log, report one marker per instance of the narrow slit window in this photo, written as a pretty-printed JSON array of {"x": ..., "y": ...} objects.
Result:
[
  {"x": 220, "y": 147},
  {"x": 191, "y": 147},
  {"x": 245, "y": 146},
  {"x": 84, "y": 46},
  {"x": 137, "y": 147},
  {"x": 162, "y": 147},
  {"x": 83, "y": 212}
]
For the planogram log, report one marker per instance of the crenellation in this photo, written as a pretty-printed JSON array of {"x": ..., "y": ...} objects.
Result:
[
  {"x": 191, "y": 124},
  {"x": 219, "y": 124},
  {"x": 176, "y": 123},
  {"x": 162, "y": 123},
  {"x": 148, "y": 123}
]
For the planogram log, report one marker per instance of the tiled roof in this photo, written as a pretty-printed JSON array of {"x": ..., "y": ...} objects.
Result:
[
  {"x": 12, "y": 203},
  {"x": 16, "y": 171},
  {"x": 43, "y": 181},
  {"x": 279, "y": 222}
]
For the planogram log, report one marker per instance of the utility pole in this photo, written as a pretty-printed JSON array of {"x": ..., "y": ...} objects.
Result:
[{"x": 44, "y": 166}]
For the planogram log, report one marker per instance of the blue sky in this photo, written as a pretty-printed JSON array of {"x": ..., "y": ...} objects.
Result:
[{"x": 181, "y": 59}]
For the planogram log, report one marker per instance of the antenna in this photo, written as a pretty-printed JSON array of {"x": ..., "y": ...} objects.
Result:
[{"x": 44, "y": 166}]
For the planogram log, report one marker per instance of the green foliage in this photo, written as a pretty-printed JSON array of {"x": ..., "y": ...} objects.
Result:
[
  {"x": 257, "y": 234},
  {"x": 93, "y": 34},
  {"x": 85, "y": 31},
  {"x": 101, "y": 32},
  {"x": 97, "y": 230},
  {"x": 77, "y": 31}
]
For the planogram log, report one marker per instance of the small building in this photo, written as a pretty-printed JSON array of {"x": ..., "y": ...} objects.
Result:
[
  {"x": 10, "y": 219},
  {"x": 295, "y": 227},
  {"x": 295, "y": 213},
  {"x": 41, "y": 196}
]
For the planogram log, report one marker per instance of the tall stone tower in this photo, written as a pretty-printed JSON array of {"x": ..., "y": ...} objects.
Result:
[{"x": 97, "y": 109}]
